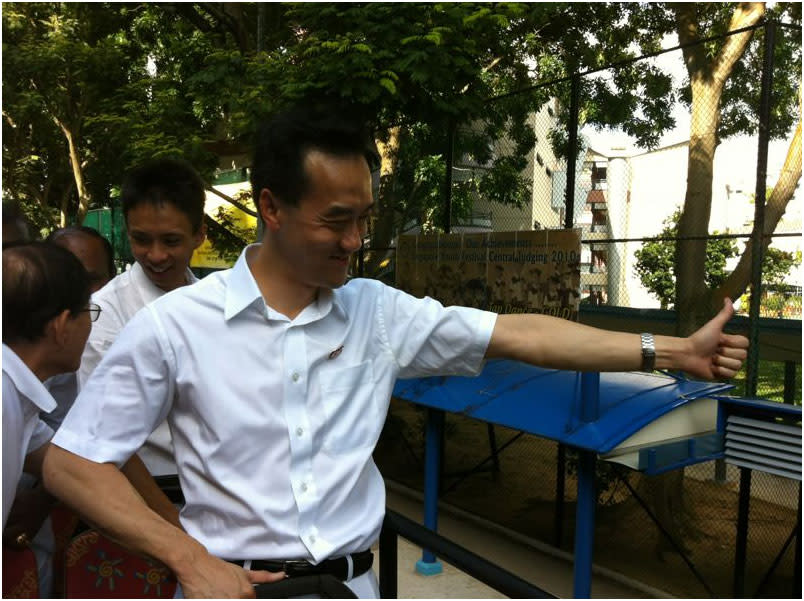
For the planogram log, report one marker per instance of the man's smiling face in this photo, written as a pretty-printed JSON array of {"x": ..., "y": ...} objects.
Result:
[
  {"x": 162, "y": 241},
  {"x": 318, "y": 237}
]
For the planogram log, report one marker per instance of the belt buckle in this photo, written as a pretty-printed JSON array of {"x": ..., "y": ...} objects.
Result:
[{"x": 295, "y": 567}]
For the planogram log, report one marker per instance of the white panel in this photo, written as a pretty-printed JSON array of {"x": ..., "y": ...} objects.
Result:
[{"x": 693, "y": 419}]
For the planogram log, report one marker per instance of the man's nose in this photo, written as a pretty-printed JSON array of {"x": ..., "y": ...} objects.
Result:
[
  {"x": 353, "y": 238},
  {"x": 157, "y": 253}
]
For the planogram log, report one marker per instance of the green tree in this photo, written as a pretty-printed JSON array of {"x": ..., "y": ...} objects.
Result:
[
  {"x": 655, "y": 263},
  {"x": 193, "y": 79},
  {"x": 64, "y": 65},
  {"x": 91, "y": 89},
  {"x": 719, "y": 83},
  {"x": 722, "y": 90},
  {"x": 777, "y": 297},
  {"x": 425, "y": 70}
]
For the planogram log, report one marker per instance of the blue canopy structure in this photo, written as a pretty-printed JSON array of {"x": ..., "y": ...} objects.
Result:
[
  {"x": 652, "y": 422},
  {"x": 547, "y": 402}
]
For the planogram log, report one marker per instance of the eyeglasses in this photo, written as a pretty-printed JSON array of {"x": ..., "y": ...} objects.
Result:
[{"x": 93, "y": 310}]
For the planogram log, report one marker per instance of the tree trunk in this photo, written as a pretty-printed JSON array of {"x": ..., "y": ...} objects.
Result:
[
  {"x": 78, "y": 176},
  {"x": 64, "y": 208},
  {"x": 383, "y": 230},
  {"x": 694, "y": 304},
  {"x": 737, "y": 282}
]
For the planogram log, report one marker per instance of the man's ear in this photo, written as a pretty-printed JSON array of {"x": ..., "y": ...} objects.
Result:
[
  {"x": 269, "y": 209},
  {"x": 200, "y": 235},
  {"x": 57, "y": 328}
]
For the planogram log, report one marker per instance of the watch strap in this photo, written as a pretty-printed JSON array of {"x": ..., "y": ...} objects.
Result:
[{"x": 648, "y": 352}]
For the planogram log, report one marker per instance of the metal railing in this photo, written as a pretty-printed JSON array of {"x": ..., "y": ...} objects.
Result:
[{"x": 396, "y": 525}]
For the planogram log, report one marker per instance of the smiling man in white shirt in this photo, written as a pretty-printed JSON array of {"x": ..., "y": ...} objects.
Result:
[
  {"x": 163, "y": 204},
  {"x": 275, "y": 378}
]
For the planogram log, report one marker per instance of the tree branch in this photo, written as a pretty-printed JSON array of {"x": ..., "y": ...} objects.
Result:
[
  {"x": 189, "y": 12},
  {"x": 8, "y": 118},
  {"x": 233, "y": 22},
  {"x": 745, "y": 15},
  {"x": 233, "y": 202},
  {"x": 737, "y": 282},
  {"x": 686, "y": 14}
]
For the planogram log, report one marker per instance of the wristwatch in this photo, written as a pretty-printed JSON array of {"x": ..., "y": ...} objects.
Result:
[{"x": 648, "y": 352}]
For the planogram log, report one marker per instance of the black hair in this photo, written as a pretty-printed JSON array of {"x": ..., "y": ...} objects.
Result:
[
  {"x": 72, "y": 231},
  {"x": 40, "y": 280},
  {"x": 165, "y": 181},
  {"x": 285, "y": 140}
]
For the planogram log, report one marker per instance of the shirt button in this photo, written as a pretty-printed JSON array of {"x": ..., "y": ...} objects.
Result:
[
  {"x": 304, "y": 488},
  {"x": 295, "y": 376},
  {"x": 312, "y": 539},
  {"x": 299, "y": 431}
]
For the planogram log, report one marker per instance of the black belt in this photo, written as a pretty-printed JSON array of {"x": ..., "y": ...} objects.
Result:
[{"x": 337, "y": 567}]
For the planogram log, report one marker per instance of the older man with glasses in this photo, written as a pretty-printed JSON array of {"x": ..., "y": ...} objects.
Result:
[{"x": 47, "y": 318}]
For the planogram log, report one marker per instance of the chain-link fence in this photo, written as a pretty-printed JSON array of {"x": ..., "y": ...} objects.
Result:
[{"x": 627, "y": 201}]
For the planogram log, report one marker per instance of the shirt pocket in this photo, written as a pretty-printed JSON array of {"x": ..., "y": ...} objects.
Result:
[{"x": 352, "y": 415}]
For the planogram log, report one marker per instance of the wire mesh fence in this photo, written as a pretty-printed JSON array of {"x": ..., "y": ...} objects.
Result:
[{"x": 627, "y": 202}]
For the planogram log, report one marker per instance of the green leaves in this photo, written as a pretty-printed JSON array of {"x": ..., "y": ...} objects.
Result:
[{"x": 655, "y": 262}]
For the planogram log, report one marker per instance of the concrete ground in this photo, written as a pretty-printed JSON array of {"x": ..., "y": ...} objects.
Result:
[{"x": 539, "y": 564}]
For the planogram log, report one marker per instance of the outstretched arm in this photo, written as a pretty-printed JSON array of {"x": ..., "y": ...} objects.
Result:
[
  {"x": 101, "y": 493},
  {"x": 556, "y": 343}
]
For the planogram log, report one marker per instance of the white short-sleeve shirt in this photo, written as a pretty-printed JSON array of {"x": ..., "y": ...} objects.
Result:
[
  {"x": 120, "y": 300},
  {"x": 24, "y": 396},
  {"x": 273, "y": 420}
]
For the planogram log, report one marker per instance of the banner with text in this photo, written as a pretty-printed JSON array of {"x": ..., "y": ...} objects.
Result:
[{"x": 504, "y": 272}]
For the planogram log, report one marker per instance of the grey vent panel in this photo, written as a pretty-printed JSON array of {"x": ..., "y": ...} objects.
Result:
[{"x": 764, "y": 445}]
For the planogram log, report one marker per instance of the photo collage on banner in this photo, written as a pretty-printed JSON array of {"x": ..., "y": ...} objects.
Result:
[{"x": 504, "y": 272}]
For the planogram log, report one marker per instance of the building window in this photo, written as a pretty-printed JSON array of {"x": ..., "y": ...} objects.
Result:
[
  {"x": 599, "y": 173},
  {"x": 595, "y": 295}
]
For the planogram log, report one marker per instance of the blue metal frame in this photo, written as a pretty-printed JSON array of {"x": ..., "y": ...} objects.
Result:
[
  {"x": 590, "y": 412},
  {"x": 428, "y": 564},
  {"x": 587, "y": 493}
]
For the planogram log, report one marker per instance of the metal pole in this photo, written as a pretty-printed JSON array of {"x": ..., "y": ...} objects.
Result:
[
  {"x": 789, "y": 382},
  {"x": 449, "y": 159},
  {"x": 585, "y": 525},
  {"x": 590, "y": 396},
  {"x": 388, "y": 562},
  {"x": 572, "y": 149},
  {"x": 428, "y": 564},
  {"x": 587, "y": 493},
  {"x": 797, "y": 555},
  {"x": 561, "y": 471},
  {"x": 742, "y": 532},
  {"x": 757, "y": 238}
]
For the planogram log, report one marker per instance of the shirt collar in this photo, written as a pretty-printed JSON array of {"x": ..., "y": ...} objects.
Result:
[
  {"x": 242, "y": 291},
  {"x": 26, "y": 382},
  {"x": 336, "y": 302},
  {"x": 241, "y": 288},
  {"x": 150, "y": 291}
]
